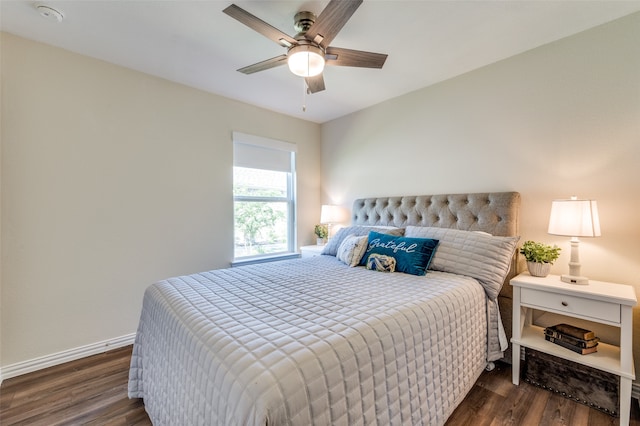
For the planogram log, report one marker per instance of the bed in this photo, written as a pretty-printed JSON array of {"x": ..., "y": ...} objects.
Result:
[{"x": 319, "y": 341}]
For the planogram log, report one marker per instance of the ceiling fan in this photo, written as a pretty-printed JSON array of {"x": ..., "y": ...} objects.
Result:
[{"x": 308, "y": 51}]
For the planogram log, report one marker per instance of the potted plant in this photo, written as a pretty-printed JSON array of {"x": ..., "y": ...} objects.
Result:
[
  {"x": 322, "y": 232},
  {"x": 539, "y": 257}
]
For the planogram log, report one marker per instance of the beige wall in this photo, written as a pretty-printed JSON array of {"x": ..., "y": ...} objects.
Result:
[
  {"x": 111, "y": 180},
  {"x": 559, "y": 120}
]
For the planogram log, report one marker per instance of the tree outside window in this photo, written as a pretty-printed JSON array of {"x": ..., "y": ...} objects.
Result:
[{"x": 261, "y": 212}]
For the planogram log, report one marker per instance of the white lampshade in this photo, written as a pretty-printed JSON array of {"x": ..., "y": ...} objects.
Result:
[
  {"x": 574, "y": 218},
  {"x": 305, "y": 60},
  {"x": 331, "y": 214}
]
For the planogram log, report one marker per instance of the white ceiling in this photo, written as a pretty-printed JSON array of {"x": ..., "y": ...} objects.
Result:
[{"x": 194, "y": 43}]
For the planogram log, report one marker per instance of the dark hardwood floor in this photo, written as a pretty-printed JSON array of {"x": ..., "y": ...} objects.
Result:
[
  {"x": 93, "y": 391},
  {"x": 89, "y": 391},
  {"x": 494, "y": 400}
]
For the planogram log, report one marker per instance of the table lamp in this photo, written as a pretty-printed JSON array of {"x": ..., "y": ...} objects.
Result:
[
  {"x": 574, "y": 218},
  {"x": 330, "y": 214}
]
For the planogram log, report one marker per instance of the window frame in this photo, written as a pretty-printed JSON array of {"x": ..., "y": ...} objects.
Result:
[{"x": 290, "y": 199}]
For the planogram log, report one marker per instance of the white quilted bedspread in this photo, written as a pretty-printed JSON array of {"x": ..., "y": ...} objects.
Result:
[{"x": 308, "y": 341}]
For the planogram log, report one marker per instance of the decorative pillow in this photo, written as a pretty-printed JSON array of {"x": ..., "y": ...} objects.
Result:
[
  {"x": 412, "y": 254},
  {"x": 380, "y": 262},
  {"x": 332, "y": 246},
  {"x": 352, "y": 249},
  {"x": 484, "y": 257}
]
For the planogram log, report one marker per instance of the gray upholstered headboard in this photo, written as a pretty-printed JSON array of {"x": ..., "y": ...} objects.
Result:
[{"x": 492, "y": 212}]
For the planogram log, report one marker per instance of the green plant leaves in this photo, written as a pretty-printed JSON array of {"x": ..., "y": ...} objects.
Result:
[{"x": 539, "y": 252}]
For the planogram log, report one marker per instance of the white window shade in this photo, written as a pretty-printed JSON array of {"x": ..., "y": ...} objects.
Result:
[{"x": 254, "y": 152}]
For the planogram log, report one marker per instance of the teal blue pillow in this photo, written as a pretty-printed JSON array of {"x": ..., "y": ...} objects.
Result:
[{"x": 412, "y": 255}]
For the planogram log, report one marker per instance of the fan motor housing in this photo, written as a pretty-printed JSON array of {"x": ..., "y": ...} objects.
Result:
[{"x": 302, "y": 21}]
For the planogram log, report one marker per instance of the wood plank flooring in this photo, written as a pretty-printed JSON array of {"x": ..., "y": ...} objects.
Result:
[
  {"x": 494, "y": 400},
  {"x": 93, "y": 391},
  {"x": 89, "y": 391}
]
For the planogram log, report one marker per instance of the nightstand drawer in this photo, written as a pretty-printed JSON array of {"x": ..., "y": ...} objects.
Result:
[{"x": 563, "y": 303}]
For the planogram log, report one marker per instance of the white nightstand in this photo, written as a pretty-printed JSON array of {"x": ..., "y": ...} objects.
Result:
[
  {"x": 600, "y": 302},
  {"x": 310, "y": 251}
]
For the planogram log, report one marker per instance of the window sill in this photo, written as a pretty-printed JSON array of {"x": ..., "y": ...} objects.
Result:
[{"x": 265, "y": 259}]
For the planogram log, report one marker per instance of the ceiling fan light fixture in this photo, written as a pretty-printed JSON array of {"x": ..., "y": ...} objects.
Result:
[{"x": 305, "y": 60}]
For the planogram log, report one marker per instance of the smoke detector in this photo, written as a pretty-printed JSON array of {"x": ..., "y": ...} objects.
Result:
[{"x": 49, "y": 13}]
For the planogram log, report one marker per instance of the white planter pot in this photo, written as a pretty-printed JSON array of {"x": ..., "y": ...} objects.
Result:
[{"x": 538, "y": 269}]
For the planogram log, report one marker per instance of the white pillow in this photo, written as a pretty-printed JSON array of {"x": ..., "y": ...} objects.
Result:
[
  {"x": 351, "y": 249},
  {"x": 479, "y": 255}
]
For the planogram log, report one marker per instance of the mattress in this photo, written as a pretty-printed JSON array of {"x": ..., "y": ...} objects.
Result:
[{"x": 308, "y": 341}]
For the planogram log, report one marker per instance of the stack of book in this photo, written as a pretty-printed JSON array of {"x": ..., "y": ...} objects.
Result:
[{"x": 574, "y": 338}]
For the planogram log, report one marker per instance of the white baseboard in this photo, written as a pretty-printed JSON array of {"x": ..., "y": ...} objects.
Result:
[{"x": 39, "y": 363}]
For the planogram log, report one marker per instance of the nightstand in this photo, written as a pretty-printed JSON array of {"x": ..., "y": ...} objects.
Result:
[
  {"x": 310, "y": 251},
  {"x": 599, "y": 302}
]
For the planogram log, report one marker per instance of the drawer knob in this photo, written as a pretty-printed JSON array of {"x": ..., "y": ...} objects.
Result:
[{"x": 565, "y": 304}]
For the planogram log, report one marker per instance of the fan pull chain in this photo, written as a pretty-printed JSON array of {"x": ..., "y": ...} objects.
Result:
[{"x": 304, "y": 95}]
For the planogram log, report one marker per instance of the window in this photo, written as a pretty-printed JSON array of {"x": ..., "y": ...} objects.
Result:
[{"x": 263, "y": 197}]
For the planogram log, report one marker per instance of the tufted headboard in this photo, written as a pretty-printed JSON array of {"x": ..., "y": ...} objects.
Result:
[{"x": 492, "y": 212}]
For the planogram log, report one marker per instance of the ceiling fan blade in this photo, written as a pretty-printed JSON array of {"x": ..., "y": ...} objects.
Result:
[
  {"x": 331, "y": 21},
  {"x": 315, "y": 84},
  {"x": 260, "y": 26},
  {"x": 354, "y": 58},
  {"x": 264, "y": 65}
]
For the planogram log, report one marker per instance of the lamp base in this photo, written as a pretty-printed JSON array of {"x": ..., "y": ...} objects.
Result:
[{"x": 573, "y": 279}]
